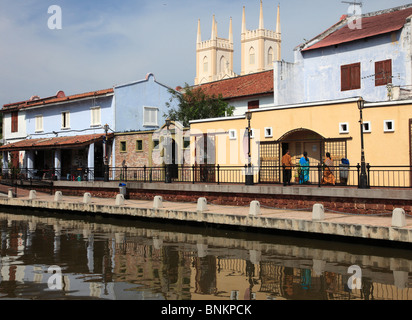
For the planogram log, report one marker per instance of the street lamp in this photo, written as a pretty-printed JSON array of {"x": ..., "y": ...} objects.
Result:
[
  {"x": 249, "y": 174},
  {"x": 105, "y": 158},
  {"x": 168, "y": 177},
  {"x": 363, "y": 179}
]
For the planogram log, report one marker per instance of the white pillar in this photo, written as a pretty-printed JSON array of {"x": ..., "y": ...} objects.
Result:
[
  {"x": 5, "y": 162},
  {"x": 90, "y": 161},
  {"x": 57, "y": 163},
  {"x": 30, "y": 163}
]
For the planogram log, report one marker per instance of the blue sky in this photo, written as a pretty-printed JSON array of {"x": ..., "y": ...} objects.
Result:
[{"x": 105, "y": 42}]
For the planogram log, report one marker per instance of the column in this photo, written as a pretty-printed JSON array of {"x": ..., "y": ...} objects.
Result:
[
  {"x": 30, "y": 164},
  {"x": 57, "y": 164},
  {"x": 5, "y": 162},
  {"x": 90, "y": 162}
]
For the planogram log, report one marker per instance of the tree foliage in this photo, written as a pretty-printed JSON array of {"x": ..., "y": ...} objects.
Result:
[{"x": 194, "y": 104}]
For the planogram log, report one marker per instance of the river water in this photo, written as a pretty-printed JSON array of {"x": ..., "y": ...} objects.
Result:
[{"x": 55, "y": 256}]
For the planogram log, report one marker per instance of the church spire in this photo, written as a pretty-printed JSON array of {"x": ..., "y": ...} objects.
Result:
[
  {"x": 214, "y": 35},
  {"x": 261, "y": 16},
  {"x": 278, "y": 21},
  {"x": 199, "y": 35},
  {"x": 230, "y": 31},
  {"x": 243, "y": 21}
]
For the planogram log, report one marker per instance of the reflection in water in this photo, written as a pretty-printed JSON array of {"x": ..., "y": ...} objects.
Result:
[{"x": 101, "y": 258}]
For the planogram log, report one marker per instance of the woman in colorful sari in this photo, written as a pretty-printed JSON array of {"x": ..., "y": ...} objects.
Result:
[
  {"x": 328, "y": 177},
  {"x": 304, "y": 165}
]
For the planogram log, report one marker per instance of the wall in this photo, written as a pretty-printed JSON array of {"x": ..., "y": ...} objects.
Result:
[
  {"x": 321, "y": 74},
  {"x": 381, "y": 148},
  {"x": 80, "y": 118},
  {"x": 132, "y": 97}
]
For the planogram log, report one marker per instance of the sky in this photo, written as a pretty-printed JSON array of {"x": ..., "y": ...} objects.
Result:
[{"x": 103, "y": 43}]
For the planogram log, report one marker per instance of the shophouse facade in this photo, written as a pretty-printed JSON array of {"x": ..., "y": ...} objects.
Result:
[
  {"x": 367, "y": 55},
  {"x": 60, "y": 137}
]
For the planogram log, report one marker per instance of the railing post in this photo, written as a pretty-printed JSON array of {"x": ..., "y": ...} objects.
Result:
[
  {"x": 319, "y": 174},
  {"x": 218, "y": 174},
  {"x": 144, "y": 173},
  {"x": 358, "y": 168},
  {"x": 368, "y": 167},
  {"x": 193, "y": 173}
]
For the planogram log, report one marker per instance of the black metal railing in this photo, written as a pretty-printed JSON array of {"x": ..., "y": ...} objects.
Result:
[{"x": 343, "y": 175}]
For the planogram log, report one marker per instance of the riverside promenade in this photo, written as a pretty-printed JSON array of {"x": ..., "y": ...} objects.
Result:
[{"x": 389, "y": 229}]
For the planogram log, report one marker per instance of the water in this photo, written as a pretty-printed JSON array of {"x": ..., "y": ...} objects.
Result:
[{"x": 55, "y": 256}]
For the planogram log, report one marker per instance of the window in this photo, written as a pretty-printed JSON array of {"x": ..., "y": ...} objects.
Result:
[
  {"x": 270, "y": 56},
  {"x": 123, "y": 146},
  {"x": 253, "y": 104},
  {"x": 205, "y": 65},
  {"x": 367, "y": 127},
  {"x": 268, "y": 132},
  {"x": 388, "y": 126},
  {"x": 383, "y": 72},
  {"x": 95, "y": 116},
  {"x": 156, "y": 144},
  {"x": 139, "y": 145},
  {"x": 232, "y": 134},
  {"x": 150, "y": 116},
  {"x": 251, "y": 56},
  {"x": 65, "y": 120},
  {"x": 343, "y": 127},
  {"x": 350, "y": 77},
  {"x": 14, "y": 121},
  {"x": 38, "y": 123}
]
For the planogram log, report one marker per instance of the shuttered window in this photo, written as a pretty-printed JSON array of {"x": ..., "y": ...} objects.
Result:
[
  {"x": 95, "y": 115},
  {"x": 383, "y": 72},
  {"x": 150, "y": 116},
  {"x": 38, "y": 123},
  {"x": 350, "y": 77},
  {"x": 14, "y": 121},
  {"x": 253, "y": 104}
]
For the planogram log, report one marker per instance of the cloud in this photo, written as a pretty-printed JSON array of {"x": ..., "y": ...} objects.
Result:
[{"x": 107, "y": 42}]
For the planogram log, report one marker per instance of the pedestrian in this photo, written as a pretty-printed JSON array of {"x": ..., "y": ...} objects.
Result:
[
  {"x": 287, "y": 168},
  {"x": 304, "y": 164},
  {"x": 328, "y": 176}
]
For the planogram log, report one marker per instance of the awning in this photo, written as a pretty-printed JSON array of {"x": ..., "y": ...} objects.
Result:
[{"x": 55, "y": 143}]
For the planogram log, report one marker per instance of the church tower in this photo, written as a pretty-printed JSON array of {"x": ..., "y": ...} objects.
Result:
[
  {"x": 260, "y": 47},
  {"x": 214, "y": 57}
]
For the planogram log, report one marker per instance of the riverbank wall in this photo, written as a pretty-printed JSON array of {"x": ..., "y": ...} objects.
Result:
[{"x": 391, "y": 228}]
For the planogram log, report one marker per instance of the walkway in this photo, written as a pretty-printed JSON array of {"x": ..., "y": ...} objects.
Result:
[{"x": 375, "y": 227}]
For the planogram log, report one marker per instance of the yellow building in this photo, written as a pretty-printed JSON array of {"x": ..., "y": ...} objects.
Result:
[{"x": 317, "y": 128}]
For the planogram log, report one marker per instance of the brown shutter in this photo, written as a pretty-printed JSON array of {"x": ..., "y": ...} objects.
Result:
[
  {"x": 345, "y": 77},
  {"x": 383, "y": 72},
  {"x": 253, "y": 104},
  {"x": 355, "y": 76},
  {"x": 14, "y": 121}
]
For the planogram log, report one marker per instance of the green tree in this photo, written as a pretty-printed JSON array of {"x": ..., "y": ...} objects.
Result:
[{"x": 194, "y": 104}]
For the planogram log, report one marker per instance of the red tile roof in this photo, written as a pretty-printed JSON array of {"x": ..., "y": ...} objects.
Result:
[
  {"x": 243, "y": 86},
  {"x": 371, "y": 25},
  {"x": 56, "y": 142},
  {"x": 59, "y": 97}
]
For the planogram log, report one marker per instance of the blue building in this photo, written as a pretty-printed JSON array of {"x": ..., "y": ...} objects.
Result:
[
  {"x": 365, "y": 55},
  {"x": 60, "y": 136},
  {"x": 73, "y": 137},
  {"x": 141, "y": 105}
]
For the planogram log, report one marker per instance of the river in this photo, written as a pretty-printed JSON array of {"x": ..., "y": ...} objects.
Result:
[{"x": 47, "y": 256}]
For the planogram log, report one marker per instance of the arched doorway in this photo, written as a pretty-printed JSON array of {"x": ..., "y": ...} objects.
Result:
[{"x": 298, "y": 141}]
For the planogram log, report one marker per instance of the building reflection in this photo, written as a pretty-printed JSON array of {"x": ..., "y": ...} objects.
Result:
[{"x": 110, "y": 261}]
